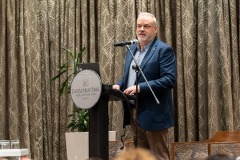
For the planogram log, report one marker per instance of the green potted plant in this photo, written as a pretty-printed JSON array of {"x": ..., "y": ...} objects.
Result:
[
  {"x": 77, "y": 139},
  {"x": 79, "y": 117}
]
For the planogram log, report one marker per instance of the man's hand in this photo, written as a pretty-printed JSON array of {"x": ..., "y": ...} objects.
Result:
[
  {"x": 117, "y": 87},
  {"x": 131, "y": 90}
]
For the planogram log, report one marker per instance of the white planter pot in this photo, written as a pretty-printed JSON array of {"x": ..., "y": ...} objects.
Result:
[{"x": 77, "y": 144}]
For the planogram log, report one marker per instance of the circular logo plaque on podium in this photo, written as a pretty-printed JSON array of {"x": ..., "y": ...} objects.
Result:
[{"x": 86, "y": 89}]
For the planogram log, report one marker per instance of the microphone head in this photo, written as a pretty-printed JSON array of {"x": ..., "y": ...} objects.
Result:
[
  {"x": 135, "y": 41},
  {"x": 124, "y": 43}
]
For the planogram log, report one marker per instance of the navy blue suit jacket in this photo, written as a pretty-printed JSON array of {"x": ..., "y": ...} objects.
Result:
[{"x": 159, "y": 68}]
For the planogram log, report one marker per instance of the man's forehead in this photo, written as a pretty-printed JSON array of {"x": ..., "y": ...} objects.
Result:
[
  {"x": 145, "y": 19},
  {"x": 144, "y": 22}
]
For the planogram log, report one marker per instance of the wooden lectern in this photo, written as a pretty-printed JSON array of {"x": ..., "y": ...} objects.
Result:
[
  {"x": 98, "y": 117},
  {"x": 98, "y": 120}
]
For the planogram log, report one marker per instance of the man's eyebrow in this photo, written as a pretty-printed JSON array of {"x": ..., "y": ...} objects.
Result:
[{"x": 144, "y": 25}]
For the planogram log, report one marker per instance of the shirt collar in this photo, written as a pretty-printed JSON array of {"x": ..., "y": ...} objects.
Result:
[{"x": 145, "y": 48}]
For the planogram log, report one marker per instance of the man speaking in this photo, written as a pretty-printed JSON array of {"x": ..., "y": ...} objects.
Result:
[{"x": 157, "y": 61}]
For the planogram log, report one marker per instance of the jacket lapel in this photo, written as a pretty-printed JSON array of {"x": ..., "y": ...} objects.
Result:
[{"x": 149, "y": 54}]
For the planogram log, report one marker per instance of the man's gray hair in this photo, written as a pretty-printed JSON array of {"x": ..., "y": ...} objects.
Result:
[{"x": 147, "y": 14}]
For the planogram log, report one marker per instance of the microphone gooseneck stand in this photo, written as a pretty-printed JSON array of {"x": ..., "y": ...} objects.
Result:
[
  {"x": 137, "y": 68},
  {"x": 135, "y": 139}
]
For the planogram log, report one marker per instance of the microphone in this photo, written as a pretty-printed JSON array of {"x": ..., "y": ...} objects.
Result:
[{"x": 124, "y": 43}]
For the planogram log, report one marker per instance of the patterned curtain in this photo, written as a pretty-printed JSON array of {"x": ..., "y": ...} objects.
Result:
[
  {"x": 207, "y": 48},
  {"x": 204, "y": 34}
]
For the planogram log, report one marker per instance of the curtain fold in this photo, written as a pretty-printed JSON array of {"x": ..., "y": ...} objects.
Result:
[{"x": 204, "y": 34}]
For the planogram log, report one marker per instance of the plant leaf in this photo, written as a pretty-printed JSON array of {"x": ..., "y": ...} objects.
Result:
[
  {"x": 64, "y": 66},
  {"x": 69, "y": 53},
  {"x": 59, "y": 75},
  {"x": 79, "y": 54},
  {"x": 64, "y": 86}
]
